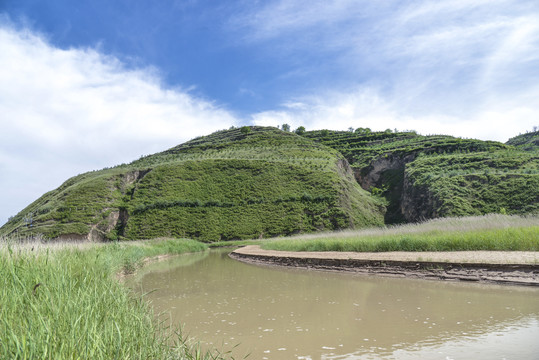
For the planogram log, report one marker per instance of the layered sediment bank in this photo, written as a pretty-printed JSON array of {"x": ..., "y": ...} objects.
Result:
[{"x": 502, "y": 267}]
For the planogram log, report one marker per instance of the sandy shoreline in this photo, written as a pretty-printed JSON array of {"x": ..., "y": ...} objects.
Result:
[{"x": 502, "y": 267}]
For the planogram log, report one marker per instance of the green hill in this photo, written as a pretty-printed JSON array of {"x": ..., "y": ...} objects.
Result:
[
  {"x": 526, "y": 142},
  {"x": 262, "y": 182},
  {"x": 423, "y": 177},
  {"x": 234, "y": 184}
]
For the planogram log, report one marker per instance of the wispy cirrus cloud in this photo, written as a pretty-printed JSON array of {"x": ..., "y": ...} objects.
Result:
[
  {"x": 453, "y": 66},
  {"x": 75, "y": 110}
]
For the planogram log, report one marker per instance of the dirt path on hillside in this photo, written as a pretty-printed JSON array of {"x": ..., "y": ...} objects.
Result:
[{"x": 503, "y": 267}]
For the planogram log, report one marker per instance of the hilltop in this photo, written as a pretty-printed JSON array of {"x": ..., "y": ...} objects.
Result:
[
  {"x": 256, "y": 182},
  {"x": 234, "y": 184}
]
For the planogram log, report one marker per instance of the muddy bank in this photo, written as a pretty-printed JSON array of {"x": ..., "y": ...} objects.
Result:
[{"x": 512, "y": 267}]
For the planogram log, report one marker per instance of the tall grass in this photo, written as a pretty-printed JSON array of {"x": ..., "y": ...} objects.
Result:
[
  {"x": 65, "y": 302},
  {"x": 491, "y": 232}
]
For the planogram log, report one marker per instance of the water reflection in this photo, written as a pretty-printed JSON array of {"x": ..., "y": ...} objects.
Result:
[{"x": 277, "y": 313}]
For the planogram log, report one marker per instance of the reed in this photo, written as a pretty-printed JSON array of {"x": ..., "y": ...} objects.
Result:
[
  {"x": 491, "y": 232},
  {"x": 65, "y": 302}
]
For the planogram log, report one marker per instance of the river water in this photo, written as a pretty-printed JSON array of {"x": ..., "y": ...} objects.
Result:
[{"x": 279, "y": 313}]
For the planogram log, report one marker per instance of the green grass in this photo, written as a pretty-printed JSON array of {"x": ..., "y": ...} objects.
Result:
[
  {"x": 492, "y": 233},
  {"x": 66, "y": 302}
]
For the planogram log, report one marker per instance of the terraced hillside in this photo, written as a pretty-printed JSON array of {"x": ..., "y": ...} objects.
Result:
[
  {"x": 526, "y": 142},
  {"x": 263, "y": 182},
  {"x": 423, "y": 177},
  {"x": 233, "y": 184}
]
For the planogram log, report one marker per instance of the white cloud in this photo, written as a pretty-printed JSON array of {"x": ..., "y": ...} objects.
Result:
[
  {"x": 444, "y": 37},
  {"x": 284, "y": 16},
  {"x": 69, "y": 111},
  {"x": 368, "y": 108},
  {"x": 461, "y": 67}
]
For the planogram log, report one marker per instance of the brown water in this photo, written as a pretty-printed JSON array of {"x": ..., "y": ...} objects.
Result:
[{"x": 277, "y": 313}]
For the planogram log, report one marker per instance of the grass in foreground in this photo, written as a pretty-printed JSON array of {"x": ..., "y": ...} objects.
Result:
[
  {"x": 491, "y": 232},
  {"x": 65, "y": 302}
]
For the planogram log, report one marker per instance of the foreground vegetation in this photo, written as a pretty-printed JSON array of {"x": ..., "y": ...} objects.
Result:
[
  {"x": 65, "y": 302},
  {"x": 493, "y": 233}
]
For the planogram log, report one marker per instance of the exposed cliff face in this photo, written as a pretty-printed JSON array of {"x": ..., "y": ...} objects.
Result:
[
  {"x": 354, "y": 200},
  {"x": 131, "y": 177},
  {"x": 375, "y": 175},
  {"x": 115, "y": 222},
  {"x": 385, "y": 175},
  {"x": 417, "y": 202},
  {"x": 99, "y": 232}
]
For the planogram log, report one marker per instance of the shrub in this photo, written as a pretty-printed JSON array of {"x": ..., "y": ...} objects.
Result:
[
  {"x": 245, "y": 129},
  {"x": 300, "y": 130}
]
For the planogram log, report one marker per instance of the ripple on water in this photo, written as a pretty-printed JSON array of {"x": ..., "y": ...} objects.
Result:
[{"x": 404, "y": 318}]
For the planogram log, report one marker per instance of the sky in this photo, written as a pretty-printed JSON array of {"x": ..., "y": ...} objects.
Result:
[{"x": 90, "y": 84}]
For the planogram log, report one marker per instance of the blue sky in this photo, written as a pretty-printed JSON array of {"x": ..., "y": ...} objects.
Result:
[{"x": 89, "y": 84}]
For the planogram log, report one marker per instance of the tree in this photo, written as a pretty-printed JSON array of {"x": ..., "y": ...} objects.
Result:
[
  {"x": 300, "y": 130},
  {"x": 245, "y": 129},
  {"x": 363, "y": 131},
  {"x": 350, "y": 129},
  {"x": 285, "y": 127}
]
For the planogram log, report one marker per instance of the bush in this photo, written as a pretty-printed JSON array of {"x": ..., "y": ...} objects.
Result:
[{"x": 245, "y": 129}]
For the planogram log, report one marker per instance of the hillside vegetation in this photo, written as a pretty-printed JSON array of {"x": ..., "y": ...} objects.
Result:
[
  {"x": 526, "y": 142},
  {"x": 424, "y": 177},
  {"x": 235, "y": 184},
  {"x": 258, "y": 182}
]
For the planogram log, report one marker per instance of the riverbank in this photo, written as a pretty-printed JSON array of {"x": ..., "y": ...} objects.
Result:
[
  {"x": 64, "y": 300},
  {"x": 500, "y": 267}
]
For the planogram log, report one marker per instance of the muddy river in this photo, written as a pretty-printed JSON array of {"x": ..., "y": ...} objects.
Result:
[{"x": 279, "y": 313}]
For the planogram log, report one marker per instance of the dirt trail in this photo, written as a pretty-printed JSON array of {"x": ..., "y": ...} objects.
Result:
[{"x": 504, "y": 267}]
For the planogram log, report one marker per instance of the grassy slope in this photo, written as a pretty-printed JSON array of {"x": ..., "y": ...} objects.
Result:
[
  {"x": 80, "y": 310},
  {"x": 236, "y": 185},
  {"x": 526, "y": 142},
  {"x": 73, "y": 208},
  {"x": 362, "y": 149},
  {"x": 227, "y": 185},
  {"x": 480, "y": 183},
  {"x": 446, "y": 175}
]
